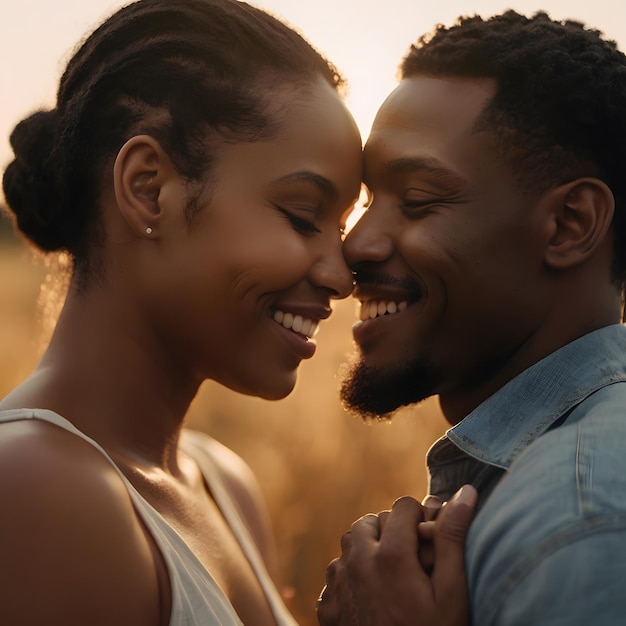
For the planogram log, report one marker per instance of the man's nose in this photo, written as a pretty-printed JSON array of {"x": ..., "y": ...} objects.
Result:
[{"x": 369, "y": 240}]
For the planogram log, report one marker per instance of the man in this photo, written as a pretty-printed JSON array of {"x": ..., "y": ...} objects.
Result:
[{"x": 490, "y": 267}]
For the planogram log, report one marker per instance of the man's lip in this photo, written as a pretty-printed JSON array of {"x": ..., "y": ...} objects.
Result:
[
  {"x": 365, "y": 331},
  {"x": 369, "y": 292}
]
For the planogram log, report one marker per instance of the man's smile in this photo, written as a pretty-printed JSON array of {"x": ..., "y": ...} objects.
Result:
[{"x": 369, "y": 309}]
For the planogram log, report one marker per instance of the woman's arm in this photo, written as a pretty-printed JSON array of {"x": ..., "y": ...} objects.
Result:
[{"x": 72, "y": 550}]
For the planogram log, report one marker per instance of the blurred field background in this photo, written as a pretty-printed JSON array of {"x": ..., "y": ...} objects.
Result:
[{"x": 319, "y": 468}]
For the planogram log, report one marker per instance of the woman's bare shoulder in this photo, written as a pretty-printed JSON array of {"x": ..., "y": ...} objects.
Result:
[
  {"x": 74, "y": 551},
  {"x": 244, "y": 489},
  {"x": 231, "y": 466}
]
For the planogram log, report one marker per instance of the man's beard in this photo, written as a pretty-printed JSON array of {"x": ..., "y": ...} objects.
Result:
[{"x": 376, "y": 392}]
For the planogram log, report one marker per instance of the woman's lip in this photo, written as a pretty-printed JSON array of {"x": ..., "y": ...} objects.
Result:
[{"x": 303, "y": 347}]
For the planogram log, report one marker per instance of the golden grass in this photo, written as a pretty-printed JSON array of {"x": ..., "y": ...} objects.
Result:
[
  {"x": 319, "y": 468},
  {"x": 20, "y": 330}
]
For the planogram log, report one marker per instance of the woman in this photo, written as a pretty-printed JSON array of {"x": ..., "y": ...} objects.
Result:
[{"x": 197, "y": 167}]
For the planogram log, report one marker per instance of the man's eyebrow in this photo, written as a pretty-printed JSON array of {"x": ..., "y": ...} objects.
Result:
[
  {"x": 426, "y": 165},
  {"x": 325, "y": 186}
]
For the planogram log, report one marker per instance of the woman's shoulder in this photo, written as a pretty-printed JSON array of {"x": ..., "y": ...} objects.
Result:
[
  {"x": 69, "y": 535},
  {"x": 232, "y": 469},
  {"x": 241, "y": 484},
  {"x": 37, "y": 449}
]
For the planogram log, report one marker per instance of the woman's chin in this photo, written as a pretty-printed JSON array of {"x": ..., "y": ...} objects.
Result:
[{"x": 276, "y": 391}]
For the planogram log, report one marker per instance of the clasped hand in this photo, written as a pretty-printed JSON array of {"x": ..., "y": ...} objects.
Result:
[{"x": 402, "y": 567}]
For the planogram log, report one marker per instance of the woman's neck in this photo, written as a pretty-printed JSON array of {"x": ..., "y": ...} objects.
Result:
[{"x": 104, "y": 373}]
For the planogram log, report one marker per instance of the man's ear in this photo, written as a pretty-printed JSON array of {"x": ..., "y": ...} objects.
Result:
[
  {"x": 581, "y": 213},
  {"x": 139, "y": 173}
]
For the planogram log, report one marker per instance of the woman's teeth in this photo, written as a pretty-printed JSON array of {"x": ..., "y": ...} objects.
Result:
[
  {"x": 297, "y": 323},
  {"x": 375, "y": 308}
]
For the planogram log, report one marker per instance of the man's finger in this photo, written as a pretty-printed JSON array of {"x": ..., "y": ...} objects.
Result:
[
  {"x": 366, "y": 530},
  {"x": 335, "y": 605},
  {"x": 401, "y": 525},
  {"x": 451, "y": 528},
  {"x": 454, "y": 519},
  {"x": 346, "y": 542},
  {"x": 382, "y": 520},
  {"x": 432, "y": 505}
]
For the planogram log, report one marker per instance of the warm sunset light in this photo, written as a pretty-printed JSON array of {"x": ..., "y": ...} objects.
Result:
[
  {"x": 318, "y": 467},
  {"x": 365, "y": 40}
]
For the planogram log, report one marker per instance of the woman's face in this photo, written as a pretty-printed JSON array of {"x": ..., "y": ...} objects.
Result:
[{"x": 244, "y": 288}]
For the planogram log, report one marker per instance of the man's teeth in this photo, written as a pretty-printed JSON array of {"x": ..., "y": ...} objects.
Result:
[
  {"x": 297, "y": 323},
  {"x": 375, "y": 308}
]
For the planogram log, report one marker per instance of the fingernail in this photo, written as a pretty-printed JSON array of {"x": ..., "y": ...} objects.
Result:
[
  {"x": 432, "y": 503},
  {"x": 466, "y": 495}
]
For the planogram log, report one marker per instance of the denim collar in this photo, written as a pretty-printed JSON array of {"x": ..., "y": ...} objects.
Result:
[{"x": 507, "y": 422}]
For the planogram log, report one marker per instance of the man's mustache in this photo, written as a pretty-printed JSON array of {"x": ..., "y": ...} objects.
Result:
[{"x": 365, "y": 276}]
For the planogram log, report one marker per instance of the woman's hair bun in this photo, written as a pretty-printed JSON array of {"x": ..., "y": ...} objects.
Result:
[{"x": 29, "y": 181}]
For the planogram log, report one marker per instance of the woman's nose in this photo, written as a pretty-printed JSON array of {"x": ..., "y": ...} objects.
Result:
[{"x": 331, "y": 272}]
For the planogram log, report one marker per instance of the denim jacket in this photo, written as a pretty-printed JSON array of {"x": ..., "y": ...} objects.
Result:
[{"x": 548, "y": 455}]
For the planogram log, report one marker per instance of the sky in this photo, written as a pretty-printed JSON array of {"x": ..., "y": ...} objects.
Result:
[{"x": 365, "y": 39}]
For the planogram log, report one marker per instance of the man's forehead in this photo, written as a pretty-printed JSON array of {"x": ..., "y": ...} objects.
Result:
[
  {"x": 427, "y": 100},
  {"x": 427, "y": 124}
]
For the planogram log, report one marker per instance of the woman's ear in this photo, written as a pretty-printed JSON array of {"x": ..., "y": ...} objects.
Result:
[
  {"x": 141, "y": 169},
  {"x": 581, "y": 213}
]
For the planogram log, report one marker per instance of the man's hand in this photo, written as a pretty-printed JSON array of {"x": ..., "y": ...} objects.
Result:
[{"x": 380, "y": 580}]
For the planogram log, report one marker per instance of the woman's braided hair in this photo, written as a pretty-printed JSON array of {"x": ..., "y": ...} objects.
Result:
[{"x": 179, "y": 70}]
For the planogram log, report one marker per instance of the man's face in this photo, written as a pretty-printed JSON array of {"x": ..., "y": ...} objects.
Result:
[{"x": 447, "y": 257}]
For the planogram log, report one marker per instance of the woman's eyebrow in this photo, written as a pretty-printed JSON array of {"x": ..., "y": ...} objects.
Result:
[{"x": 323, "y": 184}]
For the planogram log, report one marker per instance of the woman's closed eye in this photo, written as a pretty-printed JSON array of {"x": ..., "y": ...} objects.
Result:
[{"x": 300, "y": 224}]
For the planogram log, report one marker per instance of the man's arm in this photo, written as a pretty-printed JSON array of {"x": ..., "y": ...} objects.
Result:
[{"x": 549, "y": 545}]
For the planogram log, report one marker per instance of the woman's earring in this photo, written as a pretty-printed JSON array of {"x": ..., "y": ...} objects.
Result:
[{"x": 148, "y": 231}]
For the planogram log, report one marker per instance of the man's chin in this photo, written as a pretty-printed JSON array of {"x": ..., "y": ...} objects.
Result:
[{"x": 377, "y": 392}]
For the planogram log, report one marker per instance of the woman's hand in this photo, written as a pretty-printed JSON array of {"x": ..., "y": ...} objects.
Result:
[{"x": 402, "y": 567}]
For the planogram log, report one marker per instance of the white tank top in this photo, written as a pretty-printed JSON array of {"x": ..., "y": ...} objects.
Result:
[{"x": 197, "y": 600}]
